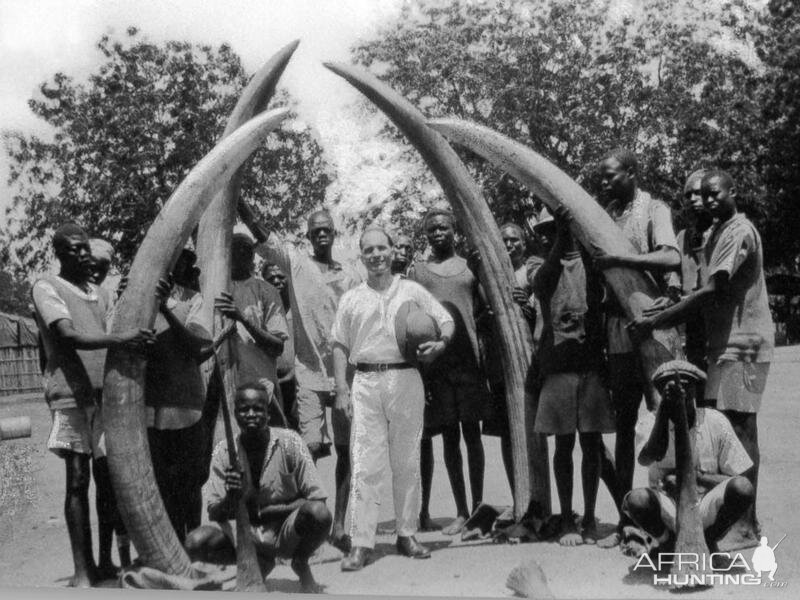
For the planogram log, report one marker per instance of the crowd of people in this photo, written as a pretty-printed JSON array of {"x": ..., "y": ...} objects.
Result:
[{"x": 324, "y": 359}]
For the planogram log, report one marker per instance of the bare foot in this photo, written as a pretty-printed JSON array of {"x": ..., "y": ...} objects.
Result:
[
  {"x": 80, "y": 580},
  {"x": 610, "y": 541},
  {"x": 307, "y": 583},
  {"x": 428, "y": 524},
  {"x": 569, "y": 533},
  {"x": 589, "y": 531},
  {"x": 455, "y": 526}
]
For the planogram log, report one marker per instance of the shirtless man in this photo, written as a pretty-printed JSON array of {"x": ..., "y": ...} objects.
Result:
[{"x": 71, "y": 318}]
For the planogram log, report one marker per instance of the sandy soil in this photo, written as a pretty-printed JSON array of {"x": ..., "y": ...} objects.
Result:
[{"x": 34, "y": 549}]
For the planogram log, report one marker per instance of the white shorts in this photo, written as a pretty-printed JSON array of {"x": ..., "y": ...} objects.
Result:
[
  {"x": 737, "y": 385},
  {"x": 709, "y": 506},
  {"x": 75, "y": 430}
]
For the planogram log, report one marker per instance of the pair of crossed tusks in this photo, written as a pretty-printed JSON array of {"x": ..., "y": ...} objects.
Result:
[{"x": 208, "y": 196}]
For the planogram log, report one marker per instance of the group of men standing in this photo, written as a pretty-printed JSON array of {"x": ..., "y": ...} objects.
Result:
[{"x": 318, "y": 342}]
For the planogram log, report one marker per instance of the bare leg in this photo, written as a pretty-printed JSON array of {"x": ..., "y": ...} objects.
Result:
[
  {"x": 106, "y": 518},
  {"x": 563, "y": 469},
  {"x": 746, "y": 427},
  {"x": 312, "y": 525},
  {"x": 476, "y": 460},
  {"x": 627, "y": 389},
  {"x": 343, "y": 472},
  {"x": 643, "y": 507},
  {"x": 739, "y": 497},
  {"x": 608, "y": 475},
  {"x": 426, "y": 477},
  {"x": 508, "y": 461},
  {"x": 76, "y": 513},
  {"x": 592, "y": 451},
  {"x": 451, "y": 436}
]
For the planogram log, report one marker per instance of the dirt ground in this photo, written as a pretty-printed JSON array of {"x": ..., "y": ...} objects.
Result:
[{"x": 34, "y": 549}]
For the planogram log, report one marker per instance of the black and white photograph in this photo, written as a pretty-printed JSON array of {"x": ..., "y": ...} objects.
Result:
[{"x": 400, "y": 298}]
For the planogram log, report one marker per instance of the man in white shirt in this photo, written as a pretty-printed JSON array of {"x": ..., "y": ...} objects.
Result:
[{"x": 386, "y": 402}]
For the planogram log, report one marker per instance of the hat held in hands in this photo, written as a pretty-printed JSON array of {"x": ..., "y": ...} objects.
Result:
[{"x": 412, "y": 327}]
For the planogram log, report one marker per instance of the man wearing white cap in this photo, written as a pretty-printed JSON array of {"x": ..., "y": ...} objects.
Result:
[{"x": 386, "y": 401}]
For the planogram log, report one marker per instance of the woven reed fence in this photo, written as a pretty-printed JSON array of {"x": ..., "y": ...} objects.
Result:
[{"x": 19, "y": 370}]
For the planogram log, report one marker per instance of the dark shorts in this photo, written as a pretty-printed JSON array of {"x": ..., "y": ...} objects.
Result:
[
  {"x": 454, "y": 396},
  {"x": 178, "y": 456},
  {"x": 571, "y": 402},
  {"x": 496, "y": 421}
]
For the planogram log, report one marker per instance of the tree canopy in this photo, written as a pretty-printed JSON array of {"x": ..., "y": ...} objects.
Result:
[
  {"x": 680, "y": 83},
  {"x": 125, "y": 138}
]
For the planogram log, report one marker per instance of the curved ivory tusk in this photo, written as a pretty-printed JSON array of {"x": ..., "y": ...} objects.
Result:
[
  {"x": 214, "y": 259},
  {"x": 592, "y": 226},
  {"x": 216, "y": 224},
  {"x": 478, "y": 223},
  {"x": 123, "y": 394}
]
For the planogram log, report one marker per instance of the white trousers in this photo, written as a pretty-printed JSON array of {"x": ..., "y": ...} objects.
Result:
[{"x": 386, "y": 430}]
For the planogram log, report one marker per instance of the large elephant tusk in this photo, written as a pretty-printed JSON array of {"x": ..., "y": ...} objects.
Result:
[
  {"x": 214, "y": 258},
  {"x": 123, "y": 399},
  {"x": 590, "y": 223},
  {"x": 478, "y": 223},
  {"x": 216, "y": 224}
]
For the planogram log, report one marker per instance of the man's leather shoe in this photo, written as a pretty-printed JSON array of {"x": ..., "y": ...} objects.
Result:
[
  {"x": 409, "y": 546},
  {"x": 357, "y": 559}
]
